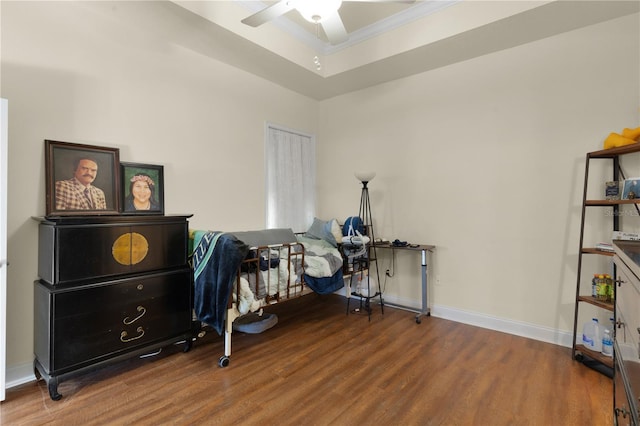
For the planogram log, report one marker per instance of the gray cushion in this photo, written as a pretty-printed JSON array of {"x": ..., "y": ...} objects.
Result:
[
  {"x": 266, "y": 237},
  {"x": 253, "y": 323}
]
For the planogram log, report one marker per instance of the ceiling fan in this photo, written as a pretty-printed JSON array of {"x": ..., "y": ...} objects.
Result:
[{"x": 319, "y": 12}]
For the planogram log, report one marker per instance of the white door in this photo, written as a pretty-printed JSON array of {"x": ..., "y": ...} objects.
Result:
[{"x": 3, "y": 245}]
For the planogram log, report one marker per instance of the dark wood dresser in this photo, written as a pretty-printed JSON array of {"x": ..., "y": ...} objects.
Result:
[
  {"x": 110, "y": 288},
  {"x": 626, "y": 379}
]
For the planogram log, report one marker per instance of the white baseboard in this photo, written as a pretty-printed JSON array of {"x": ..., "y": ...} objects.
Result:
[
  {"x": 518, "y": 328},
  {"x": 19, "y": 374}
]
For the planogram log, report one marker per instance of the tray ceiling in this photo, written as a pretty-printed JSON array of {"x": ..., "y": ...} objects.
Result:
[{"x": 387, "y": 40}]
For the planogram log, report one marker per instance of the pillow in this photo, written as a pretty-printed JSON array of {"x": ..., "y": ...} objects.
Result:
[
  {"x": 336, "y": 229},
  {"x": 316, "y": 230},
  {"x": 321, "y": 230}
]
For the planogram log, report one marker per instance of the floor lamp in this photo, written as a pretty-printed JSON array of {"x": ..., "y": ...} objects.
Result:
[{"x": 365, "y": 213}]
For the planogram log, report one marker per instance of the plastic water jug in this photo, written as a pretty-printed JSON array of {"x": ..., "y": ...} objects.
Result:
[
  {"x": 607, "y": 343},
  {"x": 591, "y": 336}
]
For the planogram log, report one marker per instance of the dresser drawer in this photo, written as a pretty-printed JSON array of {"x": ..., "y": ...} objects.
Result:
[
  {"x": 95, "y": 322},
  {"x": 75, "y": 252}
]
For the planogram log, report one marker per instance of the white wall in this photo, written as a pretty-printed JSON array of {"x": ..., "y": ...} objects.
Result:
[
  {"x": 485, "y": 159},
  {"x": 72, "y": 71}
]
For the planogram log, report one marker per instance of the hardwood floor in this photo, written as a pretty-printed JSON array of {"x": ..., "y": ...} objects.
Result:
[{"x": 319, "y": 366}]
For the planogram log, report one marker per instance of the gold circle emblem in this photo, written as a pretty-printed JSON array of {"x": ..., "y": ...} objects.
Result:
[{"x": 130, "y": 248}]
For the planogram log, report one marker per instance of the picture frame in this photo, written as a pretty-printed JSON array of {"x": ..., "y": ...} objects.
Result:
[
  {"x": 612, "y": 190},
  {"x": 631, "y": 188},
  {"x": 65, "y": 180},
  {"x": 142, "y": 189}
]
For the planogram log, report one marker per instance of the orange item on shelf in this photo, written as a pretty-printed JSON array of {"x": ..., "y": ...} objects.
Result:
[
  {"x": 615, "y": 140},
  {"x": 632, "y": 133}
]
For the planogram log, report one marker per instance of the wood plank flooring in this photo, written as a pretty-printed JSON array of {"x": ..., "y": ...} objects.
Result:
[{"x": 319, "y": 366}]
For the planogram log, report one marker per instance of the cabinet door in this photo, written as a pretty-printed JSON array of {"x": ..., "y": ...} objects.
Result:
[
  {"x": 95, "y": 323},
  {"x": 167, "y": 246},
  {"x": 627, "y": 350},
  {"x": 83, "y": 252},
  {"x": 628, "y": 308},
  {"x": 622, "y": 415}
]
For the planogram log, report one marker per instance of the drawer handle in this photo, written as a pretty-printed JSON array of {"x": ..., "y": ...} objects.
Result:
[
  {"x": 140, "y": 287},
  {"x": 142, "y": 311},
  {"x": 123, "y": 335},
  {"x": 620, "y": 282}
]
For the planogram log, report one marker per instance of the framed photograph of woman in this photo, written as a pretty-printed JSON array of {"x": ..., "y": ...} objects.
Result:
[
  {"x": 142, "y": 188},
  {"x": 81, "y": 179}
]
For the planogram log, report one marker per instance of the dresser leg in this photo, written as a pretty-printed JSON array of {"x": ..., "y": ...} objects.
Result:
[
  {"x": 187, "y": 344},
  {"x": 52, "y": 384},
  {"x": 36, "y": 372}
]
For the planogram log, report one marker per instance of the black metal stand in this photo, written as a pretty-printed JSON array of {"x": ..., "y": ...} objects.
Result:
[{"x": 360, "y": 264}]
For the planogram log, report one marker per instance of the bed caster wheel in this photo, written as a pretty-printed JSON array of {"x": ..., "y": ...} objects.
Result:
[
  {"x": 418, "y": 320},
  {"x": 223, "y": 361},
  {"x": 579, "y": 357}
]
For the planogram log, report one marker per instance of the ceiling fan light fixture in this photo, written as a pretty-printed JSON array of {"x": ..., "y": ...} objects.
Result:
[{"x": 317, "y": 10}]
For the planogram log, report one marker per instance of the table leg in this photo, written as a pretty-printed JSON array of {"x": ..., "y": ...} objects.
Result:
[{"x": 425, "y": 306}]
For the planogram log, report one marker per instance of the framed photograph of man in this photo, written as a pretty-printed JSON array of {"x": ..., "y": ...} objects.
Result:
[
  {"x": 81, "y": 179},
  {"x": 142, "y": 188}
]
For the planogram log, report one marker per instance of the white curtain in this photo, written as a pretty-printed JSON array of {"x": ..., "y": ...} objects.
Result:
[{"x": 290, "y": 178}]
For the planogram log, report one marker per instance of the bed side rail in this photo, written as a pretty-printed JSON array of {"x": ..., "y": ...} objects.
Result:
[{"x": 260, "y": 258}]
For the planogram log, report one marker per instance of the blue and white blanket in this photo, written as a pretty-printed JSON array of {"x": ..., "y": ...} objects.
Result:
[
  {"x": 322, "y": 265},
  {"x": 216, "y": 258}
]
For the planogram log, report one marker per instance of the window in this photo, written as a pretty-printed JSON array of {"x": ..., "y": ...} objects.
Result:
[{"x": 290, "y": 158}]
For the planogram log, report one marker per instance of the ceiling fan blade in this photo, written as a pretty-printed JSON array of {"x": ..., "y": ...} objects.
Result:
[
  {"x": 268, "y": 13},
  {"x": 334, "y": 29}
]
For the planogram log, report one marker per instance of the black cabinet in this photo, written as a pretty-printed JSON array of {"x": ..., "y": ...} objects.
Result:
[{"x": 110, "y": 288}]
